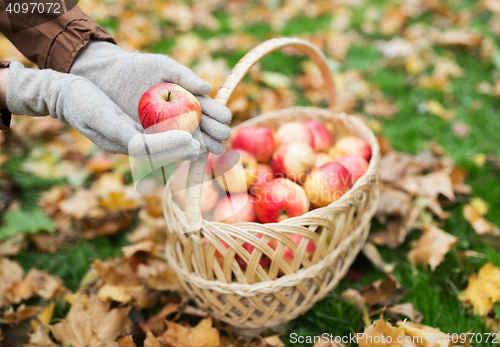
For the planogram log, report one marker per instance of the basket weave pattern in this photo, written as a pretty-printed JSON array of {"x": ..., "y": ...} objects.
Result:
[{"x": 258, "y": 298}]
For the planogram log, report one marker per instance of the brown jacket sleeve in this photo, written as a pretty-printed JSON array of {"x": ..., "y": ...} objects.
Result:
[{"x": 54, "y": 43}]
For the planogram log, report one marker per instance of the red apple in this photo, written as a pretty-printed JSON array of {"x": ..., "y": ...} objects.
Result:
[
  {"x": 322, "y": 159},
  {"x": 264, "y": 260},
  {"x": 168, "y": 106},
  {"x": 235, "y": 170},
  {"x": 356, "y": 166},
  {"x": 265, "y": 175},
  {"x": 322, "y": 139},
  {"x": 258, "y": 141},
  {"x": 294, "y": 131},
  {"x": 288, "y": 254},
  {"x": 280, "y": 200},
  {"x": 237, "y": 208},
  {"x": 351, "y": 145},
  {"x": 327, "y": 184},
  {"x": 293, "y": 160}
]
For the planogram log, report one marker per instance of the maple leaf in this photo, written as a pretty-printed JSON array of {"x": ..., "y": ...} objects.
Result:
[
  {"x": 40, "y": 338},
  {"x": 26, "y": 222},
  {"x": 202, "y": 335},
  {"x": 10, "y": 273},
  {"x": 423, "y": 335},
  {"x": 483, "y": 289},
  {"x": 22, "y": 313},
  {"x": 378, "y": 334},
  {"x": 35, "y": 282},
  {"x": 431, "y": 248},
  {"x": 88, "y": 316}
]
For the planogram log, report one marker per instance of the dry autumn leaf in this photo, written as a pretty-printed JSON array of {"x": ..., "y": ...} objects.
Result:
[
  {"x": 377, "y": 335},
  {"x": 406, "y": 310},
  {"x": 423, "y": 335},
  {"x": 88, "y": 316},
  {"x": 431, "y": 248},
  {"x": 202, "y": 335},
  {"x": 483, "y": 289}
]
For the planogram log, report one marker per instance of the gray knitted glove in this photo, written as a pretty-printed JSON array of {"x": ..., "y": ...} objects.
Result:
[
  {"x": 77, "y": 101},
  {"x": 124, "y": 77}
]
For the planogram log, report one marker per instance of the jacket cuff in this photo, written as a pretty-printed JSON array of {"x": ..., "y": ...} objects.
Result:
[
  {"x": 68, "y": 43},
  {"x": 5, "y": 117}
]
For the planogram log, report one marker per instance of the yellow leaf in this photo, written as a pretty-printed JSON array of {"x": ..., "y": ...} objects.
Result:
[
  {"x": 483, "y": 289},
  {"x": 46, "y": 315},
  {"x": 423, "y": 335},
  {"x": 434, "y": 107},
  {"x": 479, "y": 159},
  {"x": 377, "y": 335}
]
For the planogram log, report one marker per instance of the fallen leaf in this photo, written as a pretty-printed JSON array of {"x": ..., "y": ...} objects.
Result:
[
  {"x": 383, "y": 293},
  {"x": 406, "y": 310},
  {"x": 425, "y": 336},
  {"x": 394, "y": 19},
  {"x": 10, "y": 273},
  {"x": 80, "y": 204},
  {"x": 151, "y": 340},
  {"x": 202, "y": 335},
  {"x": 156, "y": 323},
  {"x": 460, "y": 129},
  {"x": 127, "y": 341},
  {"x": 351, "y": 295},
  {"x": 458, "y": 38},
  {"x": 22, "y": 313},
  {"x": 12, "y": 245},
  {"x": 40, "y": 338},
  {"x": 45, "y": 316},
  {"x": 431, "y": 248},
  {"x": 479, "y": 159},
  {"x": 95, "y": 316},
  {"x": 483, "y": 289},
  {"x": 378, "y": 334},
  {"x": 380, "y": 107},
  {"x": 477, "y": 221},
  {"x": 430, "y": 185},
  {"x": 36, "y": 282},
  {"x": 435, "y": 108},
  {"x": 372, "y": 253}
]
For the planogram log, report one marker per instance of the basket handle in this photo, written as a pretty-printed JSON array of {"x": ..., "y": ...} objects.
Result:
[
  {"x": 196, "y": 169},
  {"x": 269, "y": 46}
]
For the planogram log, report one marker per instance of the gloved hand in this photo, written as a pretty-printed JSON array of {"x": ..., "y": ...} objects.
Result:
[
  {"x": 77, "y": 101},
  {"x": 124, "y": 77}
]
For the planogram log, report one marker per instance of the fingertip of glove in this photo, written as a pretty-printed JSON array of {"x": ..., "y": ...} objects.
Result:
[{"x": 205, "y": 88}]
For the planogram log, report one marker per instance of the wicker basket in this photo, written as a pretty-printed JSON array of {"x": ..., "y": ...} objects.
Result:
[{"x": 259, "y": 298}]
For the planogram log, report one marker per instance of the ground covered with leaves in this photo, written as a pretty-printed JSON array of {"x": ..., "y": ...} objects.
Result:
[{"x": 81, "y": 252}]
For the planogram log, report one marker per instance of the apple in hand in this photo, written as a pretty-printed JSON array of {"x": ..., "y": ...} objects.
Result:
[
  {"x": 293, "y": 160},
  {"x": 322, "y": 139},
  {"x": 280, "y": 200},
  {"x": 235, "y": 170},
  {"x": 258, "y": 141},
  {"x": 356, "y": 166},
  {"x": 168, "y": 106},
  {"x": 321, "y": 159},
  {"x": 237, "y": 208},
  {"x": 351, "y": 145},
  {"x": 327, "y": 184},
  {"x": 265, "y": 175},
  {"x": 295, "y": 131}
]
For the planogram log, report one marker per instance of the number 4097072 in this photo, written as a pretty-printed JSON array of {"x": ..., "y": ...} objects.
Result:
[{"x": 33, "y": 7}]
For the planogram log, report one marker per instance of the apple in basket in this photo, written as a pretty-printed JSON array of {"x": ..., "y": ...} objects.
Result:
[
  {"x": 288, "y": 254},
  {"x": 280, "y": 200},
  {"x": 356, "y": 166},
  {"x": 265, "y": 175},
  {"x": 209, "y": 191},
  {"x": 327, "y": 184},
  {"x": 321, "y": 159},
  {"x": 322, "y": 139},
  {"x": 236, "y": 208},
  {"x": 264, "y": 260},
  {"x": 351, "y": 145},
  {"x": 293, "y": 160},
  {"x": 258, "y": 141},
  {"x": 168, "y": 106},
  {"x": 295, "y": 131},
  {"x": 235, "y": 170}
]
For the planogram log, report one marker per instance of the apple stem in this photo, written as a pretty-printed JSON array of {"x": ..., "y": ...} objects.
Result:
[{"x": 169, "y": 94}]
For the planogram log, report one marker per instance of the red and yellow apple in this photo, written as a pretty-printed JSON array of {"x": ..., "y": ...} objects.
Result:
[
  {"x": 264, "y": 260},
  {"x": 235, "y": 170},
  {"x": 327, "y": 184},
  {"x": 351, "y": 145},
  {"x": 294, "y": 131},
  {"x": 168, "y": 106},
  {"x": 322, "y": 139},
  {"x": 265, "y": 175},
  {"x": 293, "y": 160},
  {"x": 321, "y": 159},
  {"x": 288, "y": 254},
  {"x": 356, "y": 166},
  {"x": 237, "y": 208},
  {"x": 258, "y": 141},
  {"x": 280, "y": 200}
]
